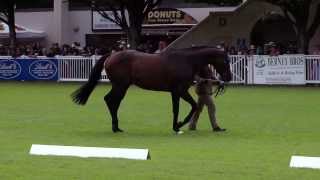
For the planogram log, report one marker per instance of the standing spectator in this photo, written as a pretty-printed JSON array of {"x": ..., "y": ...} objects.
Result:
[
  {"x": 222, "y": 46},
  {"x": 317, "y": 50},
  {"x": 252, "y": 50},
  {"x": 274, "y": 50},
  {"x": 2, "y": 50},
  {"x": 259, "y": 50},
  {"x": 55, "y": 49},
  {"x": 232, "y": 50}
]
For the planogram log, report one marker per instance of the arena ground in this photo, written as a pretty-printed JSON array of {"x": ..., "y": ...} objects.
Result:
[{"x": 265, "y": 127}]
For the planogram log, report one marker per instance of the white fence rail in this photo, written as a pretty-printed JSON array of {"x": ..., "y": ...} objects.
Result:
[
  {"x": 77, "y": 68},
  {"x": 239, "y": 68},
  {"x": 313, "y": 69}
]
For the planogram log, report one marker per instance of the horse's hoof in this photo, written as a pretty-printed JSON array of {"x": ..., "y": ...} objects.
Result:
[
  {"x": 179, "y": 124},
  {"x": 179, "y": 132},
  {"x": 176, "y": 128},
  {"x": 192, "y": 129},
  {"x": 218, "y": 129}
]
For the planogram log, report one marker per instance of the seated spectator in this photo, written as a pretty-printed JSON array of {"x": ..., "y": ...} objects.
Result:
[
  {"x": 3, "y": 51},
  {"x": 232, "y": 50},
  {"x": 259, "y": 50},
  {"x": 161, "y": 46},
  {"x": 317, "y": 50},
  {"x": 252, "y": 50},
  {"x": 274, "y": 50}
]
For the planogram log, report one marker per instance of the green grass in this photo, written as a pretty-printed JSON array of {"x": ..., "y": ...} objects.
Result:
[{"x": 265, "y": 126}]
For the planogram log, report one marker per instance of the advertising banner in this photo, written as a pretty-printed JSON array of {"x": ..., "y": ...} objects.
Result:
[
  {"x": 29, "y": 69},
  {"x": 158, "y": 16},
  {"x": 279, "y": 69},
  {"x": 168, "y": 16},
  {"x": 101, "y": 23}
]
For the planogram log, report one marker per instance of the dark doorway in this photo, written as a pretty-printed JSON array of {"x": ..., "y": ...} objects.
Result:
[
  {"x": 106, "y": 41},
  {"x": 273, "y": 28}
]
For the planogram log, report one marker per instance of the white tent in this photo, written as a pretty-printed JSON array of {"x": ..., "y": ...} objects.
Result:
[{"x": 22, "y": 32}]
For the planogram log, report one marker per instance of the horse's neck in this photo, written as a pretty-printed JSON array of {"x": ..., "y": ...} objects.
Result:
[
  {"x": 199, "y": 59},
  {"x": 205, "y": 57}
]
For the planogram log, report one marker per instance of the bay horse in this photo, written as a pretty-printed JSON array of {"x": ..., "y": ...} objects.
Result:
[{"x": 172, "y": 71}]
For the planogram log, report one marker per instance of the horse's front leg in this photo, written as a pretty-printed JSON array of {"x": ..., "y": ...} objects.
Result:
[
  {"x": 175, "y": 108},
  {"x": 187, "y": 97}
]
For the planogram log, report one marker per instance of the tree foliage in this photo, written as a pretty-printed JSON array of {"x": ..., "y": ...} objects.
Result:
[
  {"x": 128, "y": 14},
  {"x": 7, "y": 16},
  {"x": 218, "y": 2},
  {"x": 303, "y": 19}
]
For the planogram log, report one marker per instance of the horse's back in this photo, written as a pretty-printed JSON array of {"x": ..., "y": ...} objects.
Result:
[
  {"x": 148, "y": 71},
  {"x": 130, "y": 66}
]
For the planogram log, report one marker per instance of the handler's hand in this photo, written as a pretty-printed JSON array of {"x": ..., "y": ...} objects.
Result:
[{"x": 221, "y": 83}]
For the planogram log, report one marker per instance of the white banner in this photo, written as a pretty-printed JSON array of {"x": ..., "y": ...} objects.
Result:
[
  {"x": 288, "y": 69},
  {"x": 101, "y": 23}
]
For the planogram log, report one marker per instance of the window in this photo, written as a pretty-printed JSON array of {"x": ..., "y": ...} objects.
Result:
[{"x": 36, "y": 4}]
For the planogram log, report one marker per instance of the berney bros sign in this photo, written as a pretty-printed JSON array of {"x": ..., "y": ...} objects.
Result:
[
  {"x": 161, "y": 16},
  {"x": 279, "y": 69}
]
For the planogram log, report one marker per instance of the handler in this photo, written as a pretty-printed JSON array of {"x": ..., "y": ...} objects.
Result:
[{"x": 204, "y": 83}]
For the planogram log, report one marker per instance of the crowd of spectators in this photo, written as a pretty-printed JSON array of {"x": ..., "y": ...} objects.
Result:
[
  {"x": 270, "y": 48},
  {"x": 36, "y": 49}
]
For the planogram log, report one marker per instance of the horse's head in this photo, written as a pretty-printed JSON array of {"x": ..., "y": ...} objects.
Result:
[
  {"x": 222, "y": 66},
  {"x": 204, "y": 55},
  {"x": 220, "y": 60},
  {"x": 214, "y": 56}
]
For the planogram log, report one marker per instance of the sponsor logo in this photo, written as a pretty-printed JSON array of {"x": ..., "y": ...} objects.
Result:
[
  {"x": 9, "y": 69},
  {"x": 168, "y": 16},
  {"x": 260, "y": 62},
  {"x": 43, "y": 69}
]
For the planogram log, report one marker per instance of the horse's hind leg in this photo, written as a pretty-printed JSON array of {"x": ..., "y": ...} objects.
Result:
[
  {"x": 187, "y": 97},
  {"x": 113, "y": 100}
]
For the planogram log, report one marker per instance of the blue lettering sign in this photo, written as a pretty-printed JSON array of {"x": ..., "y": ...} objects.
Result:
[
  {"x": 9, "y": 69},
  {"x": 43, "y": 69}
]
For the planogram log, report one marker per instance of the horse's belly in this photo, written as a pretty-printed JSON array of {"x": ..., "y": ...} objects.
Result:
[{"x": 152, "y": 84}]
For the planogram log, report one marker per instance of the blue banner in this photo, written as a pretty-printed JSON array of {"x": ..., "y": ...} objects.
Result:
[{"x": 29, "y": 69}]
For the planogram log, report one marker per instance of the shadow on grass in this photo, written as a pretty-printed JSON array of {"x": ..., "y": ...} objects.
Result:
[{"x": 145, "y": 133}]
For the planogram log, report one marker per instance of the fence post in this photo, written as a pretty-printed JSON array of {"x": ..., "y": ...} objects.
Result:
[{"x": 249, "y": 69}]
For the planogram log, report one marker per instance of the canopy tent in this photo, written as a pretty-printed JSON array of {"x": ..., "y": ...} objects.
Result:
[{"x": 22, "y": 32}]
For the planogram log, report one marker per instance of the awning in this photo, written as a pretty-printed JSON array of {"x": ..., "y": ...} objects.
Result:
[
  {"x": 165, "y": 29},
  {"x": 21, "y": 32}
]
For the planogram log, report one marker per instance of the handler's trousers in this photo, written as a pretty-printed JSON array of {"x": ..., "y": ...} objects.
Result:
[{"x": 208, "y": 101}]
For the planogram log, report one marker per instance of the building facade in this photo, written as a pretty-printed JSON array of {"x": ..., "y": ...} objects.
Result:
[
  {"x": 254, "y": 22},
  {"x": 65, "y": 25},
  {"x": 251, "y": 23}
]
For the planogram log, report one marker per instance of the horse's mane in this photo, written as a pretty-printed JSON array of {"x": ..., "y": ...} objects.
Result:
[
  {"x": 196, "y": 48},
  {"x": 192, "y": 50}
]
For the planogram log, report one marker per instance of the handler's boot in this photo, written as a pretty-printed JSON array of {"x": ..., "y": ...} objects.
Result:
[
  {"x": 192, "y": 126},
  {"x": 218, "y": 129}
]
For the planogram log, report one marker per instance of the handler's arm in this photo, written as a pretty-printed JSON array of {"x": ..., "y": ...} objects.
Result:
[{"x": 199, "y": 79}]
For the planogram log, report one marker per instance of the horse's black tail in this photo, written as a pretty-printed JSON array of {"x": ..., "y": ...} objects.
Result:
[{"x": 81, "y": 95}]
